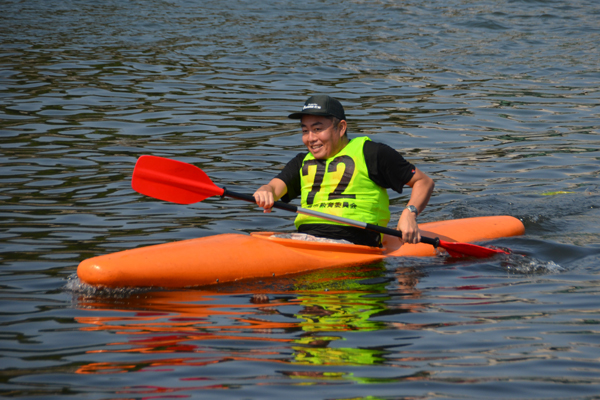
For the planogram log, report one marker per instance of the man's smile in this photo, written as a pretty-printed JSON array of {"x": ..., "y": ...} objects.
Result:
[{"x": 322, "y": 137}]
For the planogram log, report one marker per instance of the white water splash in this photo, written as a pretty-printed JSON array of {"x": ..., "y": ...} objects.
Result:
[
  {"x": 520, "y": 264},
  {"x": 76, "y": 286}
]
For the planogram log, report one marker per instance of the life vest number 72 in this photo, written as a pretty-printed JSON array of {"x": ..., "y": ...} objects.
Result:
[{"x": 338, "y": 192}]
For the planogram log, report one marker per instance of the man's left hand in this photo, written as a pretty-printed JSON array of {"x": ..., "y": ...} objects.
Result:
[{"x": 409, "y": 227}]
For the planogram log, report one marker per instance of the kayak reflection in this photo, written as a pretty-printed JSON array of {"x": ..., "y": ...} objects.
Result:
[{"x": 296, "y": 325}]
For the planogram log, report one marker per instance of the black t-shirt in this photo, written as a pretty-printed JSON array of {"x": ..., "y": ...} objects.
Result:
[{"x": 386, "y": 167}]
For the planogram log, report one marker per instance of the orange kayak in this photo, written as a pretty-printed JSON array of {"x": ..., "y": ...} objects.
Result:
[{"x": 231, "y": 257}]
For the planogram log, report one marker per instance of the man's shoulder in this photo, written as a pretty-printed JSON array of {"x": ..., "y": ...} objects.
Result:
[
  {"x": 378, "y": 149},
  {"x": 298, "y": 158},
  {"x": 294, "y": 165}
]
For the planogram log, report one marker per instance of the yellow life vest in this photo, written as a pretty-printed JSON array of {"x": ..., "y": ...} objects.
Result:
[{"x": 341, "y": 186}]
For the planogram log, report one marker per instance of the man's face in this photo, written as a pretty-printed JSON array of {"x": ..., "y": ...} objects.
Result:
[{"x": 320, "y": 137}]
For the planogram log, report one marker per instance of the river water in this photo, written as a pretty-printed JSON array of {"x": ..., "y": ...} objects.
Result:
[{"x": 498, "y": 101}]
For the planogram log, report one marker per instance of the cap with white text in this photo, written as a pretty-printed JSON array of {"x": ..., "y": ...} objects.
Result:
[{"x": 321, "y": 105}]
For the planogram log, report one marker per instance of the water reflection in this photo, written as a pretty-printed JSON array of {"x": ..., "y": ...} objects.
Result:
[{"x": 197, "y": 328}]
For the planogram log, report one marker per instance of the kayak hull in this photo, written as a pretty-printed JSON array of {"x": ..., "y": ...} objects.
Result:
[{"x": 231, "y": 257}]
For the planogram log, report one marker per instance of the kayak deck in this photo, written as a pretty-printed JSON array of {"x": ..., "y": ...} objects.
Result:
[{"x": 231, "y": 257}]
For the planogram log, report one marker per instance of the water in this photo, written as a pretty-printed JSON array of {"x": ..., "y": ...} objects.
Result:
[{"x": 497, "y": 101}]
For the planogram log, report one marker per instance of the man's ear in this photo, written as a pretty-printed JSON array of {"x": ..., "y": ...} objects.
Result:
[{"x": 342, "y": 126}]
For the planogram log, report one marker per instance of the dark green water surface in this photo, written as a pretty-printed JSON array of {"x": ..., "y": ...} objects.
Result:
[{"x": 498, "y": 101}]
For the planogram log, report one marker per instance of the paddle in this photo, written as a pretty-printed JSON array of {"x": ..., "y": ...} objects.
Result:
[{"x": 183, "y": 183}]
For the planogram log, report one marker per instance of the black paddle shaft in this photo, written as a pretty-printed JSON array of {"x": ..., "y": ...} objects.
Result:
[{"x": 299, "y": 210}]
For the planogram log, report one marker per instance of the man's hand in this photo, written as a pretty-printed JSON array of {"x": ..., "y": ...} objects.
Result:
[
  {"x": 409, "y": 228},
  {"x": 268, "y": 194},
  {"x": 264, "y": 197},
  {"x": 422, "y": 187}
]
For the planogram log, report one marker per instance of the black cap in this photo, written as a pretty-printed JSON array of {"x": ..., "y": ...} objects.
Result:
[{"x": 323, "y": 105}]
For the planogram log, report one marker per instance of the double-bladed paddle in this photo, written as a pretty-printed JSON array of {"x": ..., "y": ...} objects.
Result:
[{"x": 182, "y": 183}]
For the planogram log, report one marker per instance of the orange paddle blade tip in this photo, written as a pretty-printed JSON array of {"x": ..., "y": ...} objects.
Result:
[{"x": 172, "y": 180}]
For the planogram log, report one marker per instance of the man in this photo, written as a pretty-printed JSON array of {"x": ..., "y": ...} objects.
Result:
[{"x": 345, "y": 177}]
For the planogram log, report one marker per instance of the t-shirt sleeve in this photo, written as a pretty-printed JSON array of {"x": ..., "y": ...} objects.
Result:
[
  {"x": 387, "y": 167},
  {"x": 290, "y": 175}
]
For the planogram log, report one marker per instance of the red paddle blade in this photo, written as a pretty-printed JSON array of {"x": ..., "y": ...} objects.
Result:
[
  {"x": 172, "y": 181},
  {"x": 470, "y": 250}
]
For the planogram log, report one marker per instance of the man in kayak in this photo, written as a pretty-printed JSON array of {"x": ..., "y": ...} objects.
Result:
[{"x": 347, "y": 178}]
